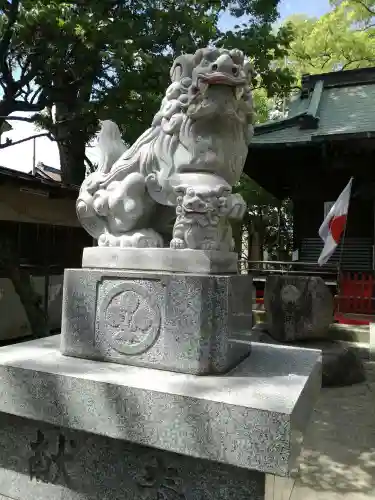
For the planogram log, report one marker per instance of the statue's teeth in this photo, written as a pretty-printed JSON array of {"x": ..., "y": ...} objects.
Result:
[
  {"x": 239, "y": 93},
  {"x": 203, "y": 87}
]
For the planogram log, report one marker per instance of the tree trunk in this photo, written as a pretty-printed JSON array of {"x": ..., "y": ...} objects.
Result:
[
  {"x": 256, "y": 250},
  {"x": 237, "y": 236},
  {"x": 5, "y": 110},
  {"x": 23, "y": 286},
  {"x": 71, "y": 140},
  {"x": 72, "y": 160},
  {"x": 30, "y": 300}
]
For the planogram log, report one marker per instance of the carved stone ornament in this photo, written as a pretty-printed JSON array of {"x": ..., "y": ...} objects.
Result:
[
  {"x": 132, "y": 317},
  {"x": 202, "y": 131},
  {"x": 205, "y": 204}
]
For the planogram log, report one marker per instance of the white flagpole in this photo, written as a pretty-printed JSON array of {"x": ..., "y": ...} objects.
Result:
[{"x": 342, "y": 247}]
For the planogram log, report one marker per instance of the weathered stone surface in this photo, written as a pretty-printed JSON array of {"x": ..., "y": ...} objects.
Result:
[
  {"x": 253, "y": 417},
  {"x": 341, "y": 365},
  {"x": 43, "y": 462},
  {"x": 160, "y": 259},
  {"x": 297, "y": 307},
  {"x": 176, "y": 322}
]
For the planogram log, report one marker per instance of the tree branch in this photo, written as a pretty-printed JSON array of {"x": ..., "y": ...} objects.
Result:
[
  {"x": 14, "y": 143},
  {"x": 89, "y": 162},
  {"x": 366, "y": 7},
  {"x": 355, "y": 61},
  {"x": 6, "y": 40},
  {"x": 30, "y": 106},
  {"x": 18, "y": 118}
]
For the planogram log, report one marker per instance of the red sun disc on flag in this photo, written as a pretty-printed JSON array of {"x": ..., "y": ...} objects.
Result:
[{"x": 336, "y": 226}]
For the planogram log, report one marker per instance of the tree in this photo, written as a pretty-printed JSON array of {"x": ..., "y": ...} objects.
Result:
[
  {"x": 16, "y": 69},
  {"x": 361, "y": 12},
  {"x": 23, "y": 286},
  {"x": 80, "y": 61},
  {"x": 341, "y": 39},
  {"x": 267, "y": 224}
]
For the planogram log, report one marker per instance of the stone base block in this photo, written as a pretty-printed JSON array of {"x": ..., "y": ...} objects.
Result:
[
  {"x": 249, "y": 421},
  {"x": 297, "y": 307},
  {"x": 44, "y": 462},
  {"x": 162, "y": 259},
  {"x": 176, "y": 322}
]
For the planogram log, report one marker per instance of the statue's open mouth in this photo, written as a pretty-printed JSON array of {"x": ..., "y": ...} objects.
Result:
[{"x": 204, "y": 81}]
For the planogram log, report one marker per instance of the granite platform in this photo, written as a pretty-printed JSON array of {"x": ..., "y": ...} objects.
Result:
[{"x": 78, "y": 429}]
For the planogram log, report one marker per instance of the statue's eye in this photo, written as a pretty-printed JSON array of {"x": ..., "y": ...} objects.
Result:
[{"x": 205, "y": 62}]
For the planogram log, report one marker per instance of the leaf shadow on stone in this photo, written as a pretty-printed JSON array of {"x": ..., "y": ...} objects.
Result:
[{"x": 339, "y": 446}]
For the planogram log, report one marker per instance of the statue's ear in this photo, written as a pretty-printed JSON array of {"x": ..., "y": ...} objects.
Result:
[
  {"x": 222, "y": 191},
  {"x": 237, "y": 56},
  {"x": 249, "y": 69},
  {"x": 182, "y": 67},
  {"x": 198, "y": 56}
]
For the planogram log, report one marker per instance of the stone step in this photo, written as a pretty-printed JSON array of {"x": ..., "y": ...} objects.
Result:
[
  {"x": 342, "y": 362},
  {"x": 355, "y": 336},
  {"x": 361, "y": 348}
]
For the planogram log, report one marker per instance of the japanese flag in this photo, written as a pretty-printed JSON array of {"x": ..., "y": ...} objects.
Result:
[{"x": 334, "y": 224}]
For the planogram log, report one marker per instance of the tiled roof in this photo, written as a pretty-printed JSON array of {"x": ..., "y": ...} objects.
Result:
[{"x": 329, "y": 105}]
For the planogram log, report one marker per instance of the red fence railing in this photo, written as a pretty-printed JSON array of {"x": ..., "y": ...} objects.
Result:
[{"x": 356, "y": 293}]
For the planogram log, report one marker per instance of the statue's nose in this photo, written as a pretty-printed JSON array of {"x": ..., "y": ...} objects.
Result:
[
  {"x": 225, "y": 64},
  {"x": 194, "y": 204}
]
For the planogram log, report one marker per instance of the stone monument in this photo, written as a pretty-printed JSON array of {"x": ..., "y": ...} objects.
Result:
[
  {"x": 161, "y": 289},
  {"x": 155, "y": 306},
  {"x": 298, "y": 307},
  {"x": 299, "y": 312}
]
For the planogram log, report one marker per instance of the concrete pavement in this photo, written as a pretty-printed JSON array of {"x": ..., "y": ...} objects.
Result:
[{"x": 338, "y": 460}]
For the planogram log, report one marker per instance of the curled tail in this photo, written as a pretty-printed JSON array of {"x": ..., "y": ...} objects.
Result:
[
  {"x": 115, "y": 165},
  {"x": 110, "y": 145}
]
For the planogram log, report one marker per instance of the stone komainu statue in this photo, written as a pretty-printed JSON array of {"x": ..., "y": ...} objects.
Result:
[{"x": 185, "y": 163}]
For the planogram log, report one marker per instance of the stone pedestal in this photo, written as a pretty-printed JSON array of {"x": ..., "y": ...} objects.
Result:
[
  {"x": 297, "y": 307},
  {"x": 171, "y": 321},
  {"x": 82, "y": 430},
  {"x": 162, "y": 259}
]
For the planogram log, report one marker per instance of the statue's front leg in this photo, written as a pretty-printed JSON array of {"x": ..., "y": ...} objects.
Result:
[{"x": 178, "y": 241}]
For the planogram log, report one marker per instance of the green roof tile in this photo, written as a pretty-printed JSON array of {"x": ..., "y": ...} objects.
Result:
[{"x": 327, "y": 111}]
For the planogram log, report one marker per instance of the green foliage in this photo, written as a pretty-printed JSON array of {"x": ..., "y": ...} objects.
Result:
[
  {"x": 270, "y": 218},
  {"x": 111, "y": 58},
  {"x": 341, "y": 39},
  {"x": 261, "y": 105}
]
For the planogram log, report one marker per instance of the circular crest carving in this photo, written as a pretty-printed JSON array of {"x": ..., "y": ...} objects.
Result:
[
  {"x": 131, "y": 318},
  {"x": 290, "y": 294}
]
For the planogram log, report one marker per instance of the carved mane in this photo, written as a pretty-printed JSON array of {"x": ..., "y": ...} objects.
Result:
[{"x": 172, "y": 144}]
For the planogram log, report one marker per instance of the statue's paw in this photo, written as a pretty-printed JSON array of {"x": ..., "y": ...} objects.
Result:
[
  {"x": 142, "y": 238},
  {"x": 93, "y": 181},
  {"x": 108, "y": 240},
  {"x": 85, "y": 210},
  {"x": 209, "y": 245},
  {"x": 178, "y": 244},
  {"x": 150, "y": 240}
]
